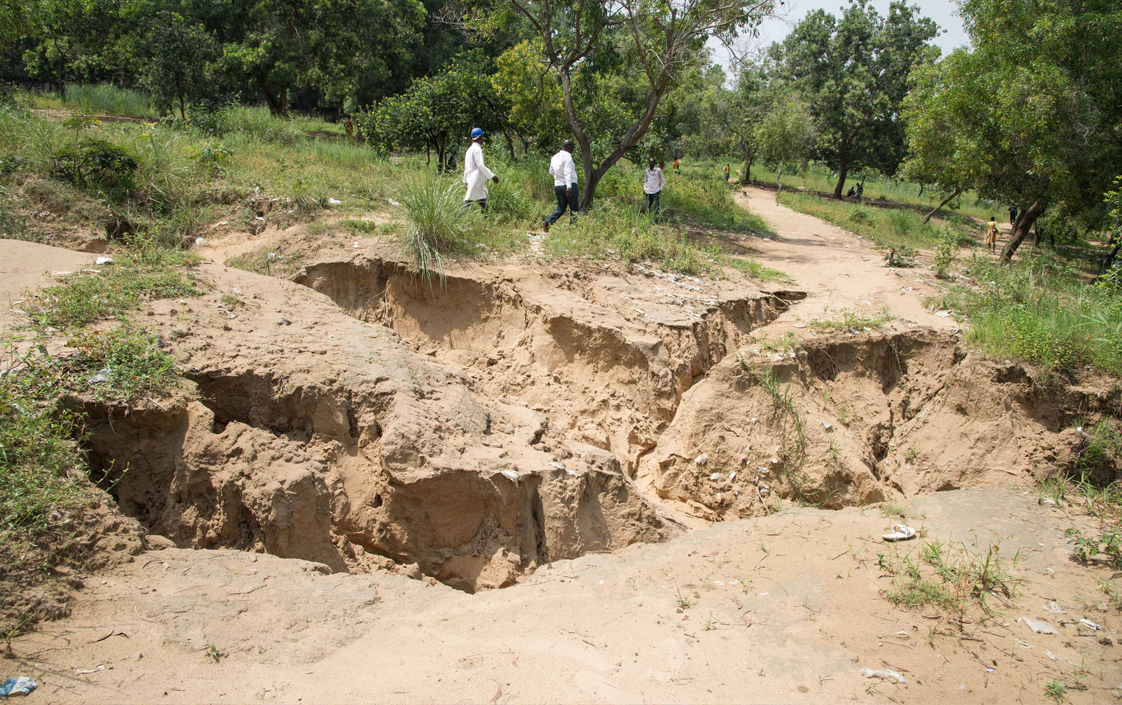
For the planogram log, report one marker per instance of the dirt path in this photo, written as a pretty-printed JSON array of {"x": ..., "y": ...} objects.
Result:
[
  {"x": 786, "y": 608},
  {"x": 839, "y": 270}
]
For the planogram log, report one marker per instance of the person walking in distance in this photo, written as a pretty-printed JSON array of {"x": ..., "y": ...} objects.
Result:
[
  {"x": 564, "y": 173},
  {"x": 653, "y": 181},
  {"x": 991, "y": 235},
  {"x": 476, "y": 173},
  {"x": 676, "y": 166},
  {"x": 1013, "y": 215},
  {"x": 728, "y": 168},
  {"x": 860, "y": 191}
]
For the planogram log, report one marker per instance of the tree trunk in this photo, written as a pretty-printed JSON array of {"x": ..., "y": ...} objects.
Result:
[
  {"x": 1109, "y": 261},
  {"x": 182, "y": 108},
  {"x": 1036, "y": 235},
  {"x": 920, "y": 192},
  {"x": 843, "y": 169},
  {"x": 778, "y": 181},
  {"x": 509, "y": 144},
  {"x": 1024, "y": 222},
  {"x": 747, "y": 178},
  {"x": 939, "y": 207},
  {"x": 276, "y": 107}
]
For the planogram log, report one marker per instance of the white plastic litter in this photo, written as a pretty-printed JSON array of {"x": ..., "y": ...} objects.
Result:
[
  {"x": 511, "y": 475},
  {"x": 1053, "y": 607},
  {"x": 732, "y": 476},
  {"x": 944, "y": 314},
  {"x": 885, "y": 674},
  {"x": 333, "y": 201},
  {"x": 393, "y": 202},
  {"x": 827, "y": 425},
  {"x": 100, "y": 376},
  {"x": 715, "y": 476},
  {"x": 19, "y": 685},
  {"x": 1089, "y": 623},
  {"x": 558, "y": 465},
  {"x": 1039, "y": 626},
  {"x": 103, "y": 260},
  {"x": 355, "y": 245},
  {"x": 200, "y": 241},
  {"x": 702, "y": 459}
]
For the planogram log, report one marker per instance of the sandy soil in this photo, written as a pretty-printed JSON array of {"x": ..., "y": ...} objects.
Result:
[
  {"x": 839, "y": 270},
  {"x": 26, "y": 266},
  {"x": 352, "y": 412},
  {"x": 786, "y": 609}
]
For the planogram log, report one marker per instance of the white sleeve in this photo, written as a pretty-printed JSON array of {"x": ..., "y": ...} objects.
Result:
[
  {"x": 483, "y": 170},
  {"x": 570, "y": 170}
]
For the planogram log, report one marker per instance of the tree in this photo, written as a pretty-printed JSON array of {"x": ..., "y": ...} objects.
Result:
[
  {"x": 786, "y": 133},
  {"x": 436, "y": 111},
  {"x": 853, "y": 72},
  {"x": 181, "y": 54},
  {"x": 352, "y": 51},
  {"x": 664, "y": 39},
  {"x": 1034, "y": 109},
  {"x": 740, "y": 111},
  {"x": 522, "y": 81}
]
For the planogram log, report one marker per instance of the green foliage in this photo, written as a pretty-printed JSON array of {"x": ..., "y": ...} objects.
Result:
[
  {"x": 182, "y": 53},
  {"x": 786, "y": 134},
  {"x": 616, "y": 230},
  {"x": 886, "y": 227},
  {"x": 1041, "y": 312},
  {"x": 853, "y": 71},
  {"x": 1031, "y": 113},
  {"x": 1056, "y": 690},
  {"x": 950, "y": 577},
  {"x": 436, "y": 224},
  {"x": 145, "y": 272},
  {"x": 945, "y": 254},
  {"x": 121, "y": 364},
  {"x": 35, "y": 448},
  {"x": 1109, "y": 546},
  {"x": 96, "y": 163}
]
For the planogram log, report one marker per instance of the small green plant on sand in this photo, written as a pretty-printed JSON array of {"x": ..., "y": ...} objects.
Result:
[{"x": 1056, "y": 690}]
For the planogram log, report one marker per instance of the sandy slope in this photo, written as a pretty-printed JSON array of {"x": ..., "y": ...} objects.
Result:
[
  {"x": 783, "y": 609},
  {"x": 26, "y": 266}
]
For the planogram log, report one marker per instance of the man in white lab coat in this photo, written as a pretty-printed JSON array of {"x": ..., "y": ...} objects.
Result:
[
  {"x": 564, "y": 172},
  {"x": 476, "y": 173}
]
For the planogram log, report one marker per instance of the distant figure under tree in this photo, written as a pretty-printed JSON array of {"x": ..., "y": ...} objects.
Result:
[
  {"x": 860, "y": 191},
  {"x": 728, "y": 169},
  {"x": 1013, "y": 211},
  {"x": 850, "y": 193},
  {"x": 564, "y": 172},
  {"x": 991, "y": 235}
]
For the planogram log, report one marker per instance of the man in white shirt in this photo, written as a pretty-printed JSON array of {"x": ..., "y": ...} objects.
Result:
[
  {"x": 564, "y": 172},
  {"x": 476, "y": 173},
  {"x": 653, "y": 181}
]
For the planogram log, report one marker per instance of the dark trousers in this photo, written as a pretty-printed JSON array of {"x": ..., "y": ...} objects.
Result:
[
  {"x": 563, "y": 202},
  {"x": 653, "y": 205},
  {"x": 482, "y": 205}
]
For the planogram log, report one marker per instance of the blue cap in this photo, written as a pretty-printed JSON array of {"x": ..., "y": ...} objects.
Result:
[{"x": 476, "y": 133}]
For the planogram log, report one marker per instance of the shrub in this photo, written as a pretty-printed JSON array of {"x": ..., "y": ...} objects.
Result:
[
  {"x": 945, "y": 253},
  {"x": 95, "y": 163}
]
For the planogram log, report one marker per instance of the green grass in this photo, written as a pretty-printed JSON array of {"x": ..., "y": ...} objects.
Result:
[
  {"x": 886, "y": 227},
  {"x": 950, "y": 577},
  {"x": 1039, "y": 310},
  {"x": 103, "y": 99},
  {"x": 851, "y": 320},
  {"x": 144, "y": 272}
]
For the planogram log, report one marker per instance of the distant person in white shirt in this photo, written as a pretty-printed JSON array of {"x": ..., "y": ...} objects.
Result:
[
  {"x": 564, "y": 173},
  {"x": 476, "y": 173},
  {"x": 653, "y": 181}
]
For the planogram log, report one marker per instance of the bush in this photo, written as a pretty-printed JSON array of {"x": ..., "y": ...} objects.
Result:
[
  {"x": 95, "y": 163},
  {"x": 945, "y": 254}
]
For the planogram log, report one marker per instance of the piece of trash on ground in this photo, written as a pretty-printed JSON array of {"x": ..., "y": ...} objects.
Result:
[
  {"x": 103, "y": 260},
  {"x": 19, "y": 685},
  {"x": 885, "y": 674},
  {"x": 1039, "y": 626}
]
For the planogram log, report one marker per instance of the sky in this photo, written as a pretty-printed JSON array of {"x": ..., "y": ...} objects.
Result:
[{"x": 788, "y": 14}]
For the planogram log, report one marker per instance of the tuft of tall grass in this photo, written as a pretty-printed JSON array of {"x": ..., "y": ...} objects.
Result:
[
  {"x": 436, "y": 224},
  {"x": 100, "y": 99}
]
